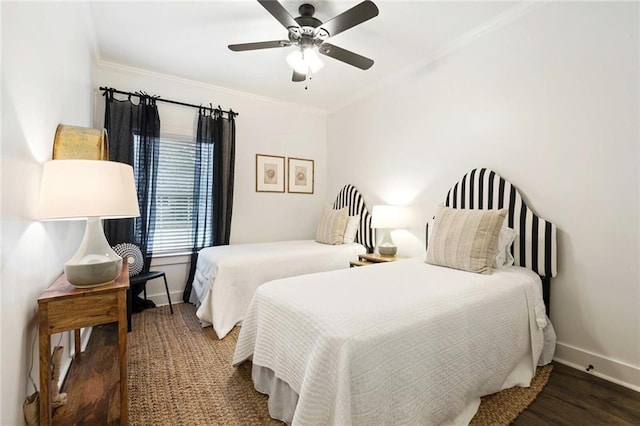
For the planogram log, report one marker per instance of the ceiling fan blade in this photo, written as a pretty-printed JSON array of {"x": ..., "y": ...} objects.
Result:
[
  {"x": 259, "y": 45},
  {"x": 279, "y": 12},
  {"x": 298, "y": 76},
  {"x": 346, "y": 56},
  {"x": 350, "y": 18}
]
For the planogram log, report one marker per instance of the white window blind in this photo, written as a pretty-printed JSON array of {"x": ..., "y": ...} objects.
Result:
[{"x": 175, "y": 207}]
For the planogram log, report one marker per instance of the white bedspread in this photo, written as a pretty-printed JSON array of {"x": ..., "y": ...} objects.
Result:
[
  {"x": 226, "y": 277},
  {"x": 397, "y": 343}
]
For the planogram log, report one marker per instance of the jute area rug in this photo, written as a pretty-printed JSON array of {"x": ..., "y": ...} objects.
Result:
[{"x": 181, "y": 374}]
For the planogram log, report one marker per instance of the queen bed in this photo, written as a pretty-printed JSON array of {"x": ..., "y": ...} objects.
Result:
[
  {"x": 413, "y": 341},
  {"x": 226, "y": 277}
]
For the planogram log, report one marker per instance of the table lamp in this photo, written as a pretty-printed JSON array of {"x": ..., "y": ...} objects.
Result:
[
  {"x": 89, "y": 190},
  {"x": 387, "y": 217}
]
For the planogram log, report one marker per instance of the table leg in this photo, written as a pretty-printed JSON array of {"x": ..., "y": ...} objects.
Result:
[
  {"x": 77, "y": 343},
  {"x": 44, "y": 346},
  {"x": 122, "y": 357},
  {"x": 129, "y": 308}
]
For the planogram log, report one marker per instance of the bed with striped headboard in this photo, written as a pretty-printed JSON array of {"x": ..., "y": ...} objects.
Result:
[
  {"x": 460, "y": 335},
  {"x": 226, "y": 277},
  {"x": 534, "y": 246},
  {"x": 352, "y": 199}
]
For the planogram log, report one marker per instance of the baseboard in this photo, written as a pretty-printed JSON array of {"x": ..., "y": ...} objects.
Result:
[
  {"x": 160, "y": 299},
  {"x": 84, "y": 337},
  {"x": 65, "y": 365},
  {"x": 612, "y": 370}
]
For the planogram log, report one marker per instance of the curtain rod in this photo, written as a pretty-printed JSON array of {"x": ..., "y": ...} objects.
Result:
[{"x": 158, "y": 98}]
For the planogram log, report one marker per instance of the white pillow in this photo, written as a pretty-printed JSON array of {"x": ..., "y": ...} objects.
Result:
[
  {"x": 350, "y": 232},
  {"x": 504, "y": 257},
  {"x": 331, "y": 227}
]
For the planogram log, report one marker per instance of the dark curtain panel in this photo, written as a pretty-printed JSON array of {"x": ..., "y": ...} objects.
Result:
[
  {"x": 213, "y": 185},
  {"x": 224, "y": 162},
  {"x": 133, "y": 131}
]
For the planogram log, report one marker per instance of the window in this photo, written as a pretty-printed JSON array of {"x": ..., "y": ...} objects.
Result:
[{"x": 180, "y": 214}]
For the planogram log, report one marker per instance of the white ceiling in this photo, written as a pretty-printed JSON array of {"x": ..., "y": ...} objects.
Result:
[{"x": 189, "y": 39}]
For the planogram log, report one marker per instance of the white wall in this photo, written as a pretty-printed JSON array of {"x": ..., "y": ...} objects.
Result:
[
  {"x": 550, "y": 102},
  {"x": 264, "y": 126},
  {"x": 46, "y": 69}
]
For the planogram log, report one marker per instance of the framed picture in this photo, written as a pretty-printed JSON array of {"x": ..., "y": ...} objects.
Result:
[
  {"x": 300, "y": 175},
  {"x": 269, "y": 173}
]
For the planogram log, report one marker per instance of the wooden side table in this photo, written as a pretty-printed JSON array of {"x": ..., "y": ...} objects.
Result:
[
  {"x": 371, "y": 259},
  {"x": 64, "y": 307}
]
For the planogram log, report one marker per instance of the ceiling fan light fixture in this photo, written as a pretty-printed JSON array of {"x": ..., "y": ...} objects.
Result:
[
  {"x": 305, "y": 61},
  {"x": 309, "y": 35}
]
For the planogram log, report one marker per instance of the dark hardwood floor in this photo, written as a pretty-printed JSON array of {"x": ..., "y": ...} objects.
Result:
[
  {"x": 93, "y": 393},
  {"x": 575, "y": 397},
  {"x": 571, "y": 397}
]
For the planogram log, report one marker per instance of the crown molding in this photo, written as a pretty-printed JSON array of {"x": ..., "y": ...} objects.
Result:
[{"x": 206, "y": 86}]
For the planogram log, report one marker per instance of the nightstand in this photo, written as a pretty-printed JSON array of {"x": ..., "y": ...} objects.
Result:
[
  {"x": 371, "y": 259},
  {"x": 64, "y": 307}
]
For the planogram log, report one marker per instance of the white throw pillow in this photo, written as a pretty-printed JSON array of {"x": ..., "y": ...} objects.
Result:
[
  {"x": 331, "y": 227},
  {"x": 351, "y": 230},
  {"x": 504, "y": 257}
]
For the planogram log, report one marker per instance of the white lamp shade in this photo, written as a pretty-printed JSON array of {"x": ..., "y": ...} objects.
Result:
[
  {"x": 388, "y": 217},
  {"x": 91, "y": 190},
  {"x": 77, "y": 189}
]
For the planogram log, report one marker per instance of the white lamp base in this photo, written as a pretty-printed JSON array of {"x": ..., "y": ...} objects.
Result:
[
  {"x": 386, "y": 246},
  {"x": 95, "y": 263},
  {"x": 387, "y": 250}
]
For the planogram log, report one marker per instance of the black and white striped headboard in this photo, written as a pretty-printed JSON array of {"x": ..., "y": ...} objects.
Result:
[
  {"x": 535, "y": 244},
  {"x": 351, "y": 198}
]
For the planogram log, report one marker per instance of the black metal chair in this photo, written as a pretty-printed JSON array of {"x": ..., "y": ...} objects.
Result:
[
  {"x": 143, "y": 277},
  {"x": 138, "y": 277}
]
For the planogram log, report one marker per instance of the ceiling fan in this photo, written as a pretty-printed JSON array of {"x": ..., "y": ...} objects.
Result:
[{"x": 309, "y": 35}]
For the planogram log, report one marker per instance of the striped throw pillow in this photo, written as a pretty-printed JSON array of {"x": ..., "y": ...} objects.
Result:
[
  {"x": 465, "y": 239},
  {"x": 331, "y": 227}
]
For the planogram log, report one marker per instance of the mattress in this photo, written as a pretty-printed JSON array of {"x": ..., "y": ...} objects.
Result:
[
  {"x": 397, "y": 343},
  {"x": 226, "y": 277}
]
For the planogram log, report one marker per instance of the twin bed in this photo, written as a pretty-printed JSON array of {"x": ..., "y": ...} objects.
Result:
[
  {"x": 409, "y": 342},
  {"x": 226, "y": 277}
]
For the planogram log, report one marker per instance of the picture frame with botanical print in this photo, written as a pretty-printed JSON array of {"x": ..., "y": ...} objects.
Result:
[
  {"x": 269, "y": 173},
  {"x": 301, "y": 175}
]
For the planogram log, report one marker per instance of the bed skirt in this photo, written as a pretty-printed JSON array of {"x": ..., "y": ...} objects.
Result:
[{"x": 282, "y": 399}]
